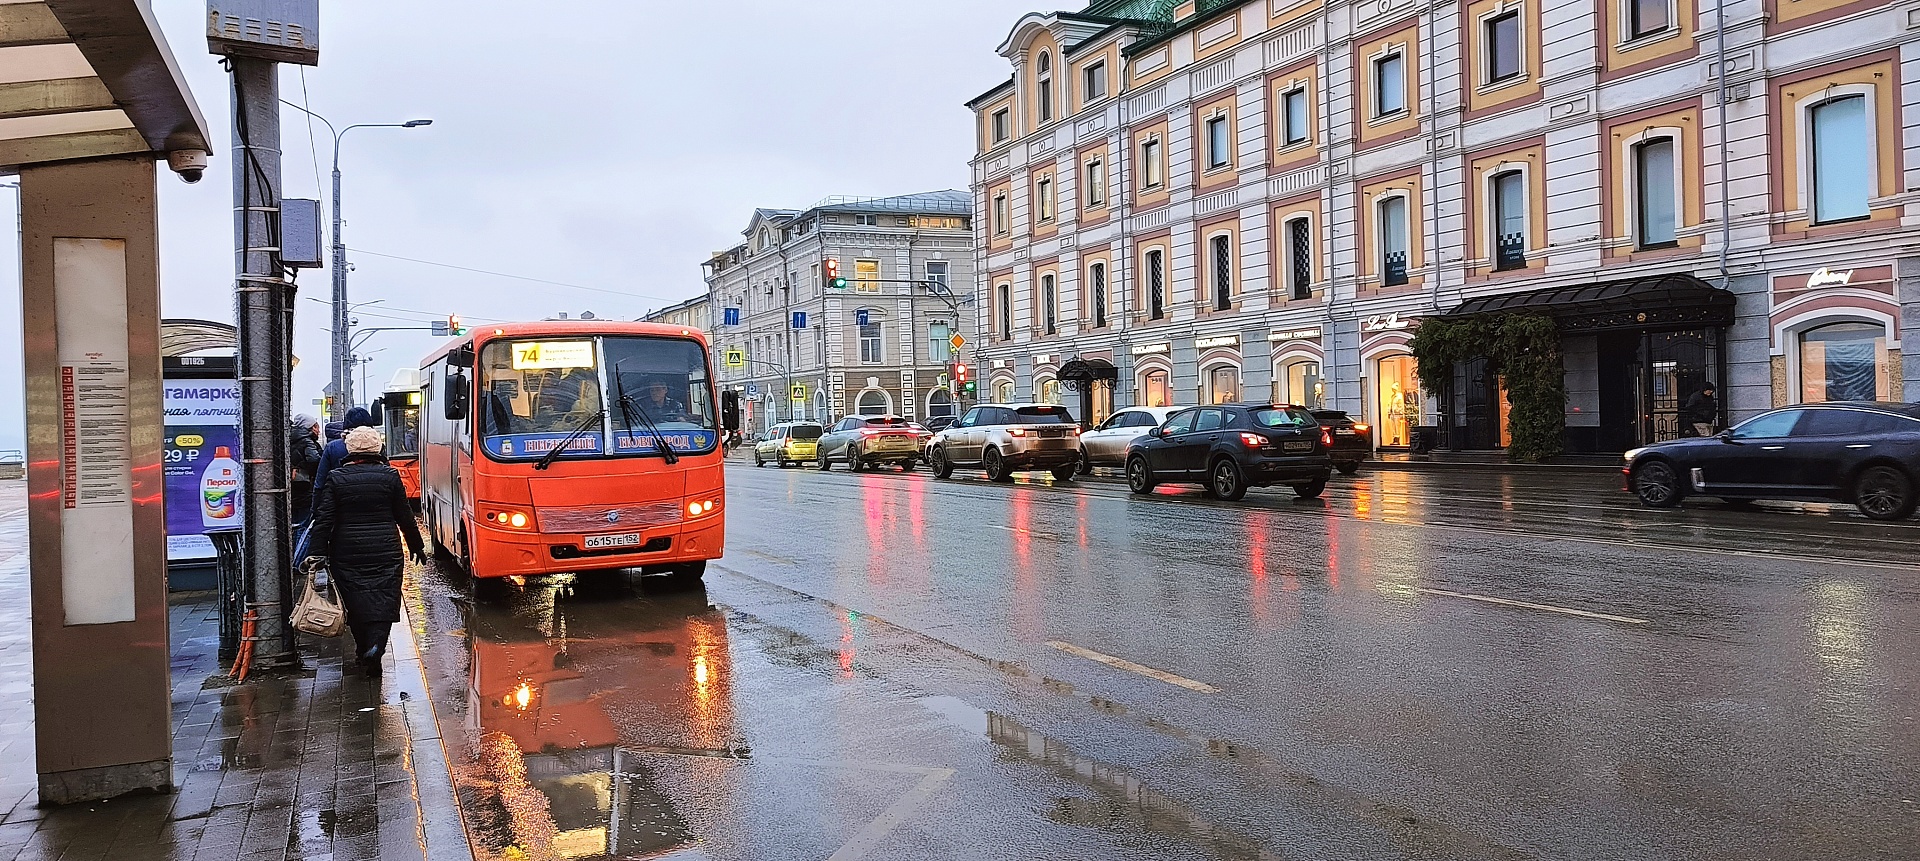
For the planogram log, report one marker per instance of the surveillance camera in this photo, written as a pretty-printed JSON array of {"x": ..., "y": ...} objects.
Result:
[{"x": 190, "y": 164}]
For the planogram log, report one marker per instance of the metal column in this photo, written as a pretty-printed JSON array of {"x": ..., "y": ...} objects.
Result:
[{"x": 263, "y": 308}]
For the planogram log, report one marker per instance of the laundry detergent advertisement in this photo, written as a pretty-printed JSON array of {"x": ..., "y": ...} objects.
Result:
[{"x": 201, "y": 455}]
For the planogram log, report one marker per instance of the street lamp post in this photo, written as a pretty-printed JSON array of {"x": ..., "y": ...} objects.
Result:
[{"x": 342, "y": 354}]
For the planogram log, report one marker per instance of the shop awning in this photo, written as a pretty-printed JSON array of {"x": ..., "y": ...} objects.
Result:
[
  {"x": 1670, "y": 301},
  {"x": 1079, "y": 370}
]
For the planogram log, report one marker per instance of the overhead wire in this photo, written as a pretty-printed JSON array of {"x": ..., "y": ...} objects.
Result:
[
  {"x": 626, "y": 293},
  {"x": 313, "y": 146}
]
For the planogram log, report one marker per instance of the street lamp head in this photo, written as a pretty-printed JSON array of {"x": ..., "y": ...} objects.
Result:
[{"x": 416, "y": 123}]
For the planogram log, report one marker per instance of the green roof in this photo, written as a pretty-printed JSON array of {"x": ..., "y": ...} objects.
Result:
[{"x": 1160, "y": 11}]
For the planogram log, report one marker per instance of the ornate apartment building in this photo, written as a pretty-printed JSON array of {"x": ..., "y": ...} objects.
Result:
[
  {"x": 1182, "y": 202},
  {"x": 882, "y": 344}
]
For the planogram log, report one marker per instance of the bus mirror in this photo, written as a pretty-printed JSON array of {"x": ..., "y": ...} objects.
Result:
[
  {"x": 730, "y": 410},
  {"x": 462, "y": 357},
  {"x": 379, "y": 410},
  {"x": 455, "y": 406}
]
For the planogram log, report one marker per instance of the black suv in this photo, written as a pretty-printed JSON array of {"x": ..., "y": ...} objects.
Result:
[
  {"x": 1352, "y": 441},
  {"x": 1231, "y": 447}
]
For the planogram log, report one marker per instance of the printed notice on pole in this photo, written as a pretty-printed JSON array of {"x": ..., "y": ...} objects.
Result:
[
  {"x": 96, "y": 469},
  {"x": 94, "y": 410}
]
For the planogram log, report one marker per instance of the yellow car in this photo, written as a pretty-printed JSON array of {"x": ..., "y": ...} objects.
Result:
[{"x": 790, "y": 442}]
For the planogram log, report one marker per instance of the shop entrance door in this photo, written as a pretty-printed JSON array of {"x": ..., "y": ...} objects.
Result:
[{"x": 1678, "y": 365}]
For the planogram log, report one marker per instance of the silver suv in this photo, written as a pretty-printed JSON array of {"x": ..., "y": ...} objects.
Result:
[{"x": 1002, "y": 438}]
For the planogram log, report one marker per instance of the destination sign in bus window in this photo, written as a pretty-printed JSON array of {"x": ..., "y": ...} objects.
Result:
[{"x": 538, "y": 355}]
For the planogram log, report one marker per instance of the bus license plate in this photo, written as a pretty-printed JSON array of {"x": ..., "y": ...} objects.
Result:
[{"x": 602, "y": 542}]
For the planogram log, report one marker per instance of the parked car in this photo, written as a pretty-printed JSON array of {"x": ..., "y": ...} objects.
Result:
[
  {"x": 1005, "y": 438},
  {"x": 1231, "y": 447},
  {"x": 937, "y": 424},
  {"x": 867, "y": 441},
  {"x": 1106, "y": 444},
  {"x": 1352, "y": 441},
  {"x": 791, "y": 442},
  {"x": 1861, "y": 452}
]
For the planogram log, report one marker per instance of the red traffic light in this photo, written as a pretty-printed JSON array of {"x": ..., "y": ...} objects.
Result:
[{"x": 960, "y": 372}]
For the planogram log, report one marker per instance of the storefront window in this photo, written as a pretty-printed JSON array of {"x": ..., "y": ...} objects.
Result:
[
  {"x": 1155, "y": 390},
  {"x": 1223, "y": 385},
  {"x": 1102, "y": 401},
  {"x": 1049, "y": 392},
  {"x": 1844, "y": 362},
  {"x": 1300, "y": 383},
  {"x": 1003, "y": 393},
  {"x": 1400, "y": 400}
]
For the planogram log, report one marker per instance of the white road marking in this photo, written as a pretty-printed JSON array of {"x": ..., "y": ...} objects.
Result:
[
  {"x": 1508, "y": 602},
  {"x": 895, "y": 814},
  {"x": 1131, "y": 667}
]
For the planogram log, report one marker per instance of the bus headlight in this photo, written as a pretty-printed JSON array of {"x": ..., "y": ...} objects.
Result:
[
  {"x": 509, "y": 519},
  {"x": 699, "y": 507}
]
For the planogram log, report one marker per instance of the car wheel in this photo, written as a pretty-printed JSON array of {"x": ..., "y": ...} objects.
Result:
[
  {"x": 1884, "y": 492},
  {"x": 1066, "y": 471},
  {"x": 820, "y": 460},
  {"x": 942, "y": 468},
  {"x": 1310, "y": 490},
  {"x": 1226, "y": 481},
  {"x": 853, "y": 460},
  {"x": 1084, "y": 465},
  {"x": 996, "y": 464},
  {"x": 1139, "y": 477},
  {"x": 1657, "y": 485},
  {"x": 1348, "y": 468},
  {"x": 783, "y": 463},
  {"x": 757, "y": 462}
]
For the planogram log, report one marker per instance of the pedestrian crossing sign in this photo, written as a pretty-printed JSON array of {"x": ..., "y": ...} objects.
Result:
[
  {"x": 736, "y": 357},
  {"x": 799, "y": 391}
]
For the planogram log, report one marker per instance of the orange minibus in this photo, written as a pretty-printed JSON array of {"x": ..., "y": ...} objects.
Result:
[
  {"x": 575, "y": 446},
  {"x": 398, "y": 412}
]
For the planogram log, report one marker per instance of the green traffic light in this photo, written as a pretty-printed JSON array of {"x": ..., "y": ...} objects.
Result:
[{"x": 839, "y": 284}]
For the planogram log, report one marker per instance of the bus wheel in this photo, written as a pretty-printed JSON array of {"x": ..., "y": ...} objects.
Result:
[{"x": 687, "y": 573}]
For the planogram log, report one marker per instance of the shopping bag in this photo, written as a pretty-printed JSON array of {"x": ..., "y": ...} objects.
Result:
[{"x": 318, "y": 611}]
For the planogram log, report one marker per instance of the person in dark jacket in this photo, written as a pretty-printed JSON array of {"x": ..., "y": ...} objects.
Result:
[
  {"x": 359, "y": 517},
  {"x": 336, "y": 451},
  {"x": 303, "y": 447},
  {"x": 1702, "y": 411}
]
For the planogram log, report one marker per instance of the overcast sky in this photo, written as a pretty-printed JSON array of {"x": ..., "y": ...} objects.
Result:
[{"x": 611, "y": 144}]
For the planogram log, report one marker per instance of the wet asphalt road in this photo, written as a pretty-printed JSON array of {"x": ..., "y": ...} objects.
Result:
[{"x": 1422, "y": 665}]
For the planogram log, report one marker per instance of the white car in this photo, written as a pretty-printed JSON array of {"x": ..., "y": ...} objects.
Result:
[{"x": 1106, "y": 445}]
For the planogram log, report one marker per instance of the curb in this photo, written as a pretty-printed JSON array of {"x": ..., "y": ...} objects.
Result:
[{"x": 441, "y": 830}]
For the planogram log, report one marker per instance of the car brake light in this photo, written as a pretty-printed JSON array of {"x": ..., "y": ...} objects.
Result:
[
  {"x": 1253, "y": 440},
  {"x": 1326, "y": 438},
  {"x": 1016, "y": 431},
  {"x": 1360, "y": 427}
]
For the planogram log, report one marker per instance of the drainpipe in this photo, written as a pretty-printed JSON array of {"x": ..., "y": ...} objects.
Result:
[{"x": 1720, "y": 57}]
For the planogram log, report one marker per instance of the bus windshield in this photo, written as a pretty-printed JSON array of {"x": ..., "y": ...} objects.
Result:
[
  {"x": 536, "y": 393},
  {"x": 403, "y": 427}
]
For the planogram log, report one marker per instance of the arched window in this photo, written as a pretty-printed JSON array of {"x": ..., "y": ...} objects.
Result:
[
  {"x": 1155, "y": 389},
  {"x": 1844, "y": 362},
  {"x": 1003, "y": 393},
  {"x": 873, "y": 402},
  {"x": 820, "y": 405},
  {"x": 1045, "y": 94},
  {"x": 939, "y": 403},
  {"x": 1298, "y": 382},
  {"x": 1509, "y": 194},
  {"x": 1049, "y": 306},
  {"x": 1049, "y": 392},
  {"x": 1097, "y": 286},
  {"x": 1223, "y": 385}
]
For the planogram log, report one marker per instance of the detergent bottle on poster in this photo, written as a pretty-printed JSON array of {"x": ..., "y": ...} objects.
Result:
[{"x": 220, "y": 491}]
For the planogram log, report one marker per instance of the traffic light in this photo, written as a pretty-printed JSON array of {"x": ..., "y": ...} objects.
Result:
[
  {"x": 830, "y": 272},
  {"x": 453, "y": 325},
  {"x": 962, "y": 378}
]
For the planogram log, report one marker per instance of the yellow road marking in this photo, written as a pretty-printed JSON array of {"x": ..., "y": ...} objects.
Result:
[
  {"x": 1131, "y": 667},
  {"x": 1507, "y": 602}
]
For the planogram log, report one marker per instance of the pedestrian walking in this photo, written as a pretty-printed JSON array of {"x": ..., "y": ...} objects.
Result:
[
  {"x": 303, "y": 445},
  {"x": 1702, "y": 411},
  {"x": 336, "y": 451},
  {"x": 360, "y": 515}
]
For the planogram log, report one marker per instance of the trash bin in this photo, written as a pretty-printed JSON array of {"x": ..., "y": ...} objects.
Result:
[{"x": 1426, "y": 439}]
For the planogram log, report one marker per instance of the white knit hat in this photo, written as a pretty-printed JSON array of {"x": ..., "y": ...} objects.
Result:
[{"x": 364, "y": 441}]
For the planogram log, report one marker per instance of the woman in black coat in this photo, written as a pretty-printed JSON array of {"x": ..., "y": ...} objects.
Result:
[{"x": 359, "y": 515}]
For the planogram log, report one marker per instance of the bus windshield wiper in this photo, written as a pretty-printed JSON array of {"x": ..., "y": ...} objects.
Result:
[
  {"x": 627, "y": 406},
  {"x": 554, "y": 455}
]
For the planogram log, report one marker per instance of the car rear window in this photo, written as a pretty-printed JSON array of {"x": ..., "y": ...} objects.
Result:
[
  {"x": 806, "y": 432},
  {"x": 1330, "y": 415},
  {"x": 887, "y": 421},
  {"x": 1282, "y": 417},
  {"x": 1042, "y": 416}
]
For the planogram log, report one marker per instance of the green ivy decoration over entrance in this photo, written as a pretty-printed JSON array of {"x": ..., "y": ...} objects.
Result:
[{"x": 1524, "y": 349}]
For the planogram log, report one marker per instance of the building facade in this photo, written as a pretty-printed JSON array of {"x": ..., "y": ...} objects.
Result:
[
  {"x": 797, "y": 348},
  {"x": 694, "y": 313},
  {"x": 1243, "y": 199}
]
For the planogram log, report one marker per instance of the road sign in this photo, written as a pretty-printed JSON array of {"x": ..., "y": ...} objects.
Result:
[
  {"x": 753, "y": 390},
  {"x": 799, "y": 319},
  {"x": 957, "y": 341},
  {"x": 736, "y": 357},
  {"x": 799, "y": 391},
  {"x": 439, "y": 329},
  {"x": 730, "y": 317},
  {"x": 861, "y": 317}
]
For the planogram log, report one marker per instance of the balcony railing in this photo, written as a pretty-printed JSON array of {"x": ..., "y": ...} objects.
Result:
[
  {"x": 1394, "y": 271},
  {"x": 1510, "y": 252}
]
